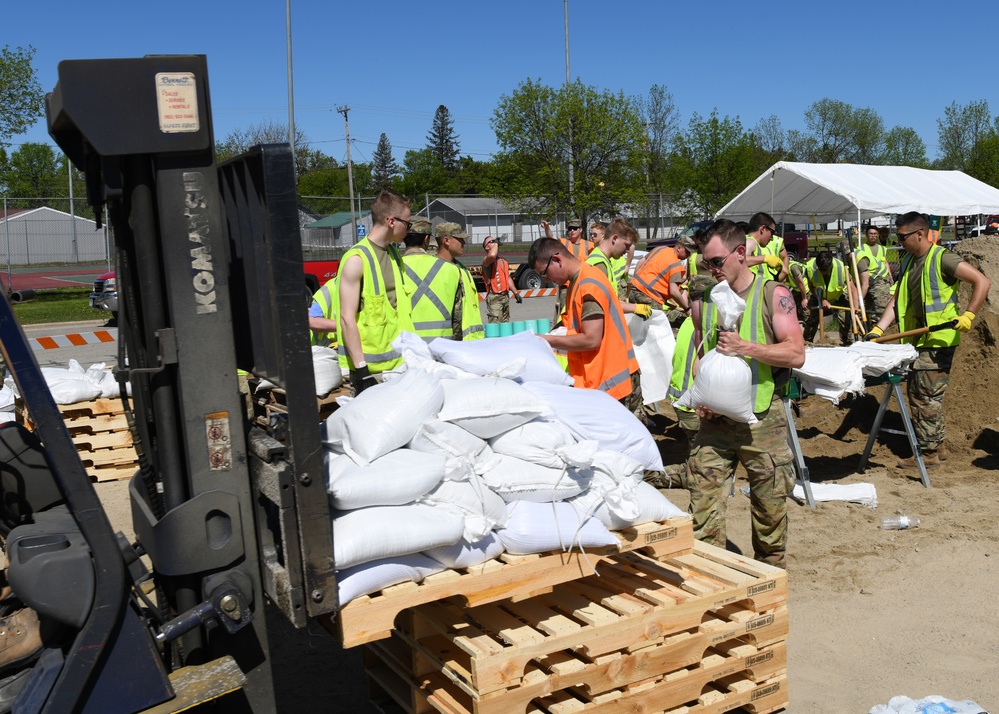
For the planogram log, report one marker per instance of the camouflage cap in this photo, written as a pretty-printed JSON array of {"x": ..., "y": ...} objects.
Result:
[
  {"x": 449, "y": 230},
  {"x": 421, "y": 225},
  {"x": 687, "y": 242},
  {"x": 573, "y": 223}
]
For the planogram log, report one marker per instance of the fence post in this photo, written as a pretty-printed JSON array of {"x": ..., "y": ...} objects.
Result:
[{"x": 6, "y": 226}]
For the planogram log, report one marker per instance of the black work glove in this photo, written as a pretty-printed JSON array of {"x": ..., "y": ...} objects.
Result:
[
  {"x": 516, "y": 296},
  {"x": 361, "y": 379}
]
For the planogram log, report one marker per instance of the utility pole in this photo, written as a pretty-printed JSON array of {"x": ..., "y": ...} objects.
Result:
[
  {"x": 565, "y": 5},
  {"x": 291, "y": 89},
  {"x": 350, "y": 171}
]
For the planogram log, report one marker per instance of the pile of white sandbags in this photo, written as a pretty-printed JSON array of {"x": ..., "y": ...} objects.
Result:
[
  {"x": 329, "y": 376},
  {"x": 441, "y": 467},
  {"x": 75, "y": 384}
]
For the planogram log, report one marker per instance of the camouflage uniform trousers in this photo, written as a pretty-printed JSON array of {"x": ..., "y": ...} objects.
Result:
[
  {"x": 697, "y": 284},
  {"x": 876, "y": 300},
  {"x": 676, "y": 474},
  {"x": 633, "y": 401},
  {"x": 928, "y": 381},
  {"x": 763, "y": 450},
  {"x": 673, "y": 314},
  {"x": 840, "y": 317},
  {"x": 498, "y": 307}
]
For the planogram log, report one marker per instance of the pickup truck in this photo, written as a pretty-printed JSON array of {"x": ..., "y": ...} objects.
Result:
[{"x": 105, "y": 292}]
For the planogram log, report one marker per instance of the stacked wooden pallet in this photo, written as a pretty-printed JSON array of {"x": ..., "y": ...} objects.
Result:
[
  {"x": 271, "y": 402},
  {"x": 700, "y": 632},
  {"x": 100, "y": 431},
  {"x": 372, "y": 617}
]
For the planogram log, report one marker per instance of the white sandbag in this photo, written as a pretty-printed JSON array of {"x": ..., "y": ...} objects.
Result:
[
  {"x": 517, "y": 480},
  {"x": 464, "y": 554},
  {"x": 482, "y": 509},
  {"x": 595, "y": 415},
  {"x": 546, "y": 442},
  {"x": 466, "y": 453},
  {"x": 416, "y": 354},
  {"x": 399, "y": 477},
  {"x": 723, "y": 384},
  {"x": 540, "y": 527},
  {"x": 384, "y": 417},
  {"x": 933, "y": 704},
  {"x": 327, "y": 369},
  {"x": 371, "y": 577},
  {"x": 496, "y": 355},
  {"x": 7, "y": 399},
  {"x": 831, "y": 372},
  {"x": 488, "y": 406},
  {"x": 654, "y": 343},
  {"x": 652, "y": 506},
  {"x": 388, "y": 531},
  {"x": 69, "y": 387}
]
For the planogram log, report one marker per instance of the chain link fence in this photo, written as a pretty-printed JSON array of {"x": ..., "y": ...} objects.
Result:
[{"x": 52, "y": 231}]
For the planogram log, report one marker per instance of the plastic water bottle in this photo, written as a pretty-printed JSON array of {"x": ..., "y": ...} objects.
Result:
[{"x": 898, "y": 523}]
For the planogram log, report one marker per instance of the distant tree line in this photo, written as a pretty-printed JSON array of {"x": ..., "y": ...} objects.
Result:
[{"x": 624, "y": 151}]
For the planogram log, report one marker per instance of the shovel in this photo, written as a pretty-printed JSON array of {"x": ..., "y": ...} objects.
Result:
[{"x": 912, "y": 333}]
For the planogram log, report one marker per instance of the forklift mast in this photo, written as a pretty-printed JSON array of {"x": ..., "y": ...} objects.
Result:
[{"x": 209, "y": 268}]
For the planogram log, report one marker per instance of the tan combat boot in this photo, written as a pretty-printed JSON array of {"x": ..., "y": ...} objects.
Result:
[
  {"x": 20, "y": 638},
  {"x": 930, "y": 459},
  {"x": 942, "y": 452}
]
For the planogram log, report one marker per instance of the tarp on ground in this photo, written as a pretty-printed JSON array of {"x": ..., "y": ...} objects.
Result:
[{"x": 794, "y": 192}]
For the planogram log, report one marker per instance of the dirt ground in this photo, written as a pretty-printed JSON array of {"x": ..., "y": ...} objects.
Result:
[{"x": 874, "y": 613}]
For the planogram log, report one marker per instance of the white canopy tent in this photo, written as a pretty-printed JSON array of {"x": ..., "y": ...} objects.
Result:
[{"x": 795, "y": 192}]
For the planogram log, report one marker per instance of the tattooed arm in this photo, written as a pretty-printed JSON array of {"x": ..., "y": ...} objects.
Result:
[{"x": 787, "y": 351}]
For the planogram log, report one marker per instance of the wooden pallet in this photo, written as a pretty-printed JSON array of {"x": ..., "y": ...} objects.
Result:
[
  {"x": 100, "y": 432},
  {"x": 634, "y": 623},
  {"x": 373, "y": 617}
]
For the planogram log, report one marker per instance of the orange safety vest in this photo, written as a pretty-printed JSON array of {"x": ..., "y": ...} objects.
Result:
[
  {"x": 498, "y": 277},
  {"x": 580, "y": 250},
  {"x": 609, "y": 367},
  {"x": 652, "y": 275}
]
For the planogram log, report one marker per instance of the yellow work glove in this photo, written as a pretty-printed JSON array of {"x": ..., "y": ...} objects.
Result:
[
  {"x": 643, "y": 311},
  {"x": 964, "y": 322},
  {"x": 875, "y": 333},
  {"x": 773, "y": 261}
]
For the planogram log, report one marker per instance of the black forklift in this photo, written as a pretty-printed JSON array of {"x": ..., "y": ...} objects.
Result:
[{"x": 227, "y": 514}]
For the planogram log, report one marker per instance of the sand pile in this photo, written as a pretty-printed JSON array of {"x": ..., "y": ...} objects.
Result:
[{"x": 972, "y": 403}]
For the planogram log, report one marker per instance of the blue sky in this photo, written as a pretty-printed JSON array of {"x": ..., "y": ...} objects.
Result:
[{"x": 395, "y": 62}]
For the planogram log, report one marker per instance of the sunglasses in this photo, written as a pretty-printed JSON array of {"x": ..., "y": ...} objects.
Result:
[
  {"x": 772, "y": 230},
  {"x": 409, "y": 224},
  {"x": 717, "y": 263},
  {"x": 460, "y": 240},
  {"x": 544, "y": 273},
  {"x": 903, "y": 236}
]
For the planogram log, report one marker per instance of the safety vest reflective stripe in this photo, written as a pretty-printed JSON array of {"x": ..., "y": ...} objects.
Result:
[
  {"x": 837, "y": 278},
  {"x": 647, "y": 260},
  {"x": 498, "y": 274},
  {"x": 940, "y": 300},
  {"x": 751, "y": 329},
  {"x": 579, "y": 250},
  {"x": 878, "y": 268},
  {"x": 423, "y": 289},
  {"x": 683, "y": 360},
  {"x": 599, "y": 259},
  {"x": 620, "y": 268},
  {"x": 619, "y": 378},
  {"x": 607, "y": 367},
  {"x": 378, "y": 329},
  {"x": 471, "y": 316},
  {"x": 324, "y": 296}
]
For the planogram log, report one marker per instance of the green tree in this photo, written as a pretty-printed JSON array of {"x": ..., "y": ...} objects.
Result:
[
  {"x": 327, "y": 190},
  {"x": 33, "y": 171},
  {"x": 960, "y": 130},
  {"x": 983, "y": 163},
  {"x": 904, "y": 147},
  {"x": 662, "y": 125},
  {"x": 269, "y": 132},
  {"x": 383, "y": 166},
  {"x": 842, "y": 133},
  {"x": 443, "y": 141},
  {"x": 540, "y": 129},
  {"x": 716, "y": 161},
  {"x": 423, "y": 174},
  {"x": 21, "y": 97}
]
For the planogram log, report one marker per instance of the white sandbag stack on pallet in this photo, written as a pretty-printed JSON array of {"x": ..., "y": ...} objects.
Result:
[{"x": 444, "y": 468}]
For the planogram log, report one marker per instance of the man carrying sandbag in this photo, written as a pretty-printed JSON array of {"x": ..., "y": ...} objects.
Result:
[
  {"x": 601, "y": 354},
  {"x": 769, "y": 338}
]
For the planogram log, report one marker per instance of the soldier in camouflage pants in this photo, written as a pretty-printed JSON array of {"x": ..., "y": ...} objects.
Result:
[
  {"x": 928, "y": 381},
  {"x": 876, "y": 300},
  {"x": 762, "y": 449},
  {"x": 497, "y": 307}
]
